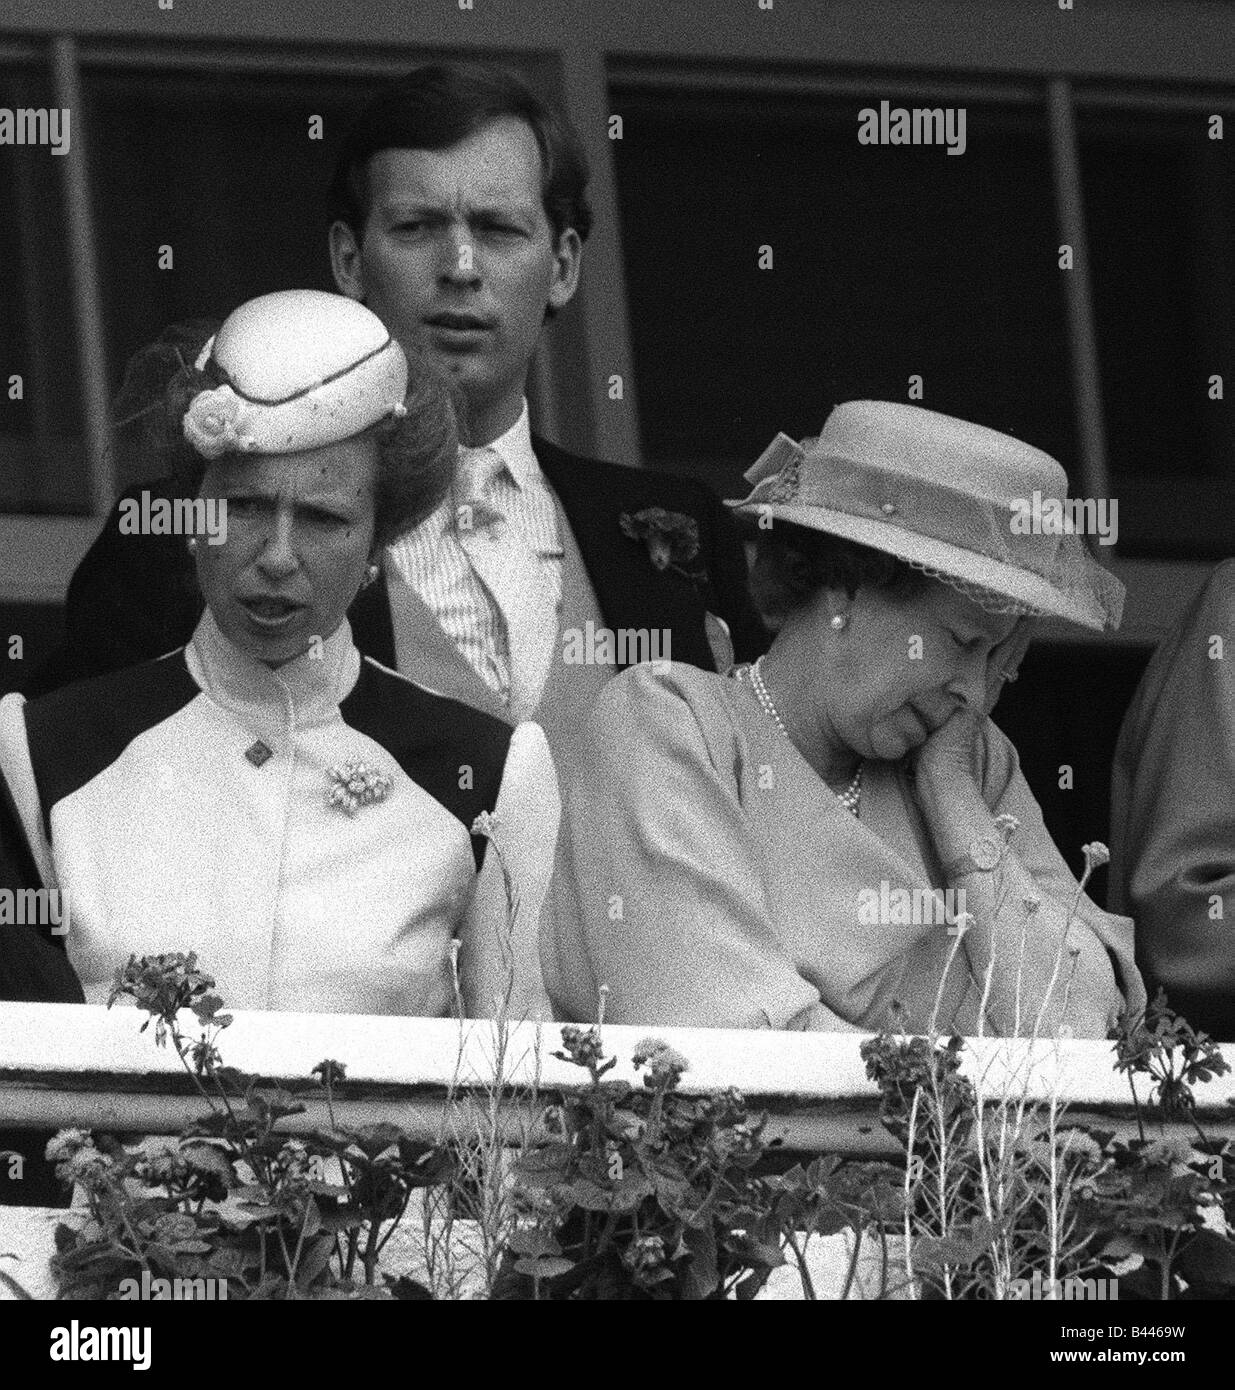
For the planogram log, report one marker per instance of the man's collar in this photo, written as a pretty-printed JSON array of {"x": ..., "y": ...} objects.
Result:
[{"x": 515, "y": 448}]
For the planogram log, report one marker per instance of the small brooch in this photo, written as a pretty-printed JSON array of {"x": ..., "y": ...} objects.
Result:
[
  {"x": 259, "y": 753},
  {"x": 355, "y": 785}
]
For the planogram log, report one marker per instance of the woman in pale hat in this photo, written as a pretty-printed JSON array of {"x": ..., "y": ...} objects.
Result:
[
  {"x": 299, "y": 816},
  {"x": 770, "y": 849}
]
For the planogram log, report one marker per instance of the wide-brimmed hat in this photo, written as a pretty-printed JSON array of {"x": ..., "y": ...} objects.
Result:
[
  {"x": 298, "y": 369},
  {"x": 977, "y": 509}
]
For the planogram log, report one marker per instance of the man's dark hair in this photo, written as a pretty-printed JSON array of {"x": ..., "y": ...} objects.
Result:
[{"x": 436, "y": 106}]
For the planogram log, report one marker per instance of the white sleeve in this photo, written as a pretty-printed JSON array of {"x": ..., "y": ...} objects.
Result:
[
  {"x": 18, "y": 774},
  {"x": 497, "y": 945}
]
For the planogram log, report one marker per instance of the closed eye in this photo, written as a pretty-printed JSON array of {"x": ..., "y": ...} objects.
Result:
[{"x": 965, "y": 644}]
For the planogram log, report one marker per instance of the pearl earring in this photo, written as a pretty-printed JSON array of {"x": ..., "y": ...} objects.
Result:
[
  {"x": 839, "y": 621},
  {"x": 191, "y": 545},
  {"x": 370, "y": 576}
]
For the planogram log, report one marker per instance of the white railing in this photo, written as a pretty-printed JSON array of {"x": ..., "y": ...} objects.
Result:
[
  {"x": 64, "y": 1064},
  {"x": 71, "y": 1065}
]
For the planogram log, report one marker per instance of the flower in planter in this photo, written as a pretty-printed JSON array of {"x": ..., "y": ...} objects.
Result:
[
  {"x": 330, "y": 1073},
  {"x": 646, "y": 1259},
  {"x": 582, "y": 1046},
  {"x": 75, "y": 1156},
  {"x": 665, "y": 1066},
  {"x": 1096, "y": 854}
]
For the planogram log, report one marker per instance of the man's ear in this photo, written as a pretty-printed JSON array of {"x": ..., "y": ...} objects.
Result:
[
  {"x": 345, "y": 261},
  {"x": 567, "y": 263}
]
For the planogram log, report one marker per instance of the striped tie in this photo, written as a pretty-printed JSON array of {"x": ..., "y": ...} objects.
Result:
[{"x": 511, "y": 572}]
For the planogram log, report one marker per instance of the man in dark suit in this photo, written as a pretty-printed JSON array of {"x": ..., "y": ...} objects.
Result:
[{"x": 459, "y": 216}]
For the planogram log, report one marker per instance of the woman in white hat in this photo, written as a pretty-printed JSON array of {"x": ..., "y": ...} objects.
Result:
[
  {"x": 839, "y": 833},
  {"x": 299, "y": 816}
]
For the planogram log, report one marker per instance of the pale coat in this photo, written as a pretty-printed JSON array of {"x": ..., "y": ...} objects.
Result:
[
  {"x": 168, "y": 838},
  {"x": 709, "y": 877}
]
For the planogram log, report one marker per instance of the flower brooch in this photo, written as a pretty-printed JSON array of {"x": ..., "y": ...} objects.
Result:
[
  {"x": 672, "y": 539},
  {"x": 355, "y": 784}
]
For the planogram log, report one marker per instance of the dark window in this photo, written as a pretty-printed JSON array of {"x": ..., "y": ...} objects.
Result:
[
  {"x": 1160, "y": 206},
  {"x": 42, "y": 454},
  {"x": 221, "y": 168},
  {"x": 889, "y": 261}
]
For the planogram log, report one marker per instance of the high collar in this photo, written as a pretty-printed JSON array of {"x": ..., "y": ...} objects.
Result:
[
  {"x": 515, "y": 449},
  {"x": 305, "y": 691}
]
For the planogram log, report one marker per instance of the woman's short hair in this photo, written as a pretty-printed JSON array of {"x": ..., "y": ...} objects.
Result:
[
  {"x": 792, "y": 563},
  {"x": 416, "y": 454}
]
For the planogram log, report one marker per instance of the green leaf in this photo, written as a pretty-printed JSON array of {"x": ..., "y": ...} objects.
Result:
[
  {"x": 750, "y": 1286},
  {"x": 588, "y": 1195},
  {"x": 1119, "y": 1247},
  {"x": 311, "y": 1221},
  {"x": 206, "y": 1158},
  {"x": 533, "y": 1242},
  {"x": 701, "y": 1274},
  {"x": 753, "y": 1251},
  {"x": 342, "y": 1220},
  {"x": 373, "y": 1140},
  {"x": 313, "y": 1260},
  {"x": 545, "y": 1267},
  {"x": 1208, "y": 1258}
]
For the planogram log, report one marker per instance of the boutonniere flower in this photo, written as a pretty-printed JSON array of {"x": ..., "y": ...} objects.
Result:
[
  {"x": 672, "y": 539},
  {"x": 213, "y": 423}
]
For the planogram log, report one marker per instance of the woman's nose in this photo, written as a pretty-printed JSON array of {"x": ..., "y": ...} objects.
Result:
[
  {"x": 278, "y": 555},
  {"x": 970, "y": 680}
]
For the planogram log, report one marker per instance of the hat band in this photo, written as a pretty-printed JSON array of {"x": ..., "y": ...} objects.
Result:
[
  {"x": 934, "y": 510},
  {"x": 226, "y": 379},
  {"x": 923, "y": 506},
  {"x": 331, "y": 409}
]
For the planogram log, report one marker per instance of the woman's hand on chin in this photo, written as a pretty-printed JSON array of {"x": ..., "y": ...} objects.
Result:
[{"x": 950, "y": 759}]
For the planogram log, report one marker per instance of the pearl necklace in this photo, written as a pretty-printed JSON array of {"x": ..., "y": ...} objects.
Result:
[{"x": 851, "y": 797}]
